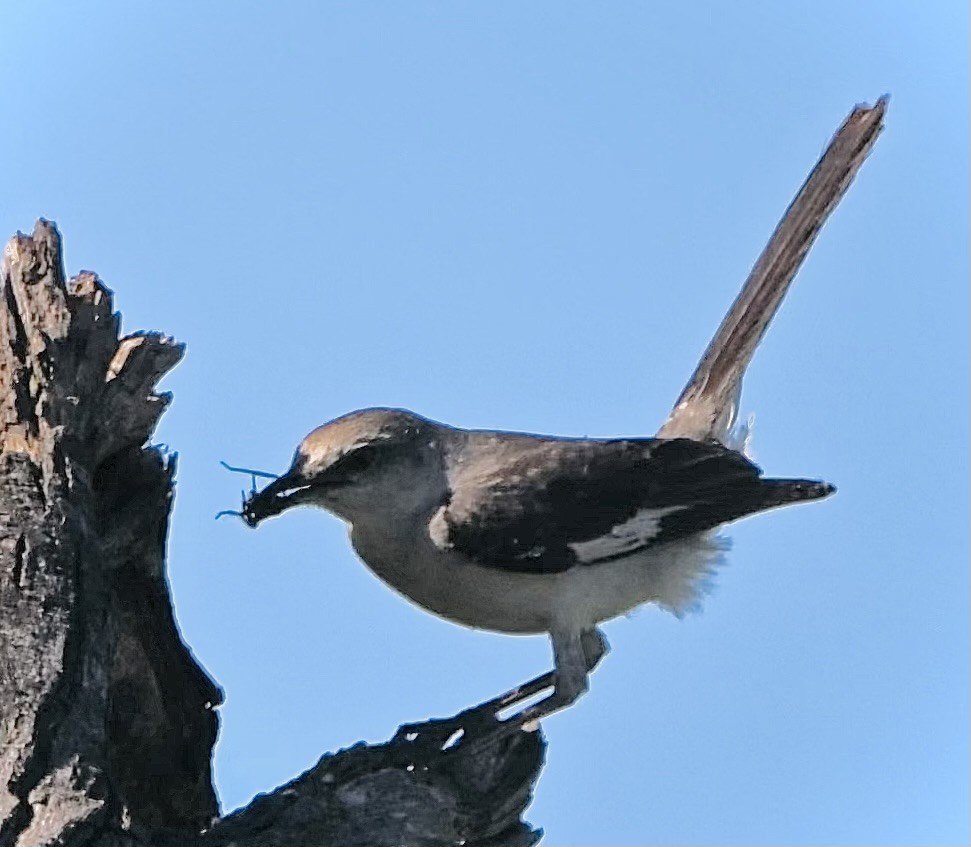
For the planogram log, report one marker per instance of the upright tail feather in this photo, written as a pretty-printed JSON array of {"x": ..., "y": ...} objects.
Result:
[{"x": 708, "y": 406}]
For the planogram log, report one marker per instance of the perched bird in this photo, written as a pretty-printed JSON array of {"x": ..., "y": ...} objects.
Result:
[
  {"x": 522, "y": 533},
  {"x": 526, "y": 533}
]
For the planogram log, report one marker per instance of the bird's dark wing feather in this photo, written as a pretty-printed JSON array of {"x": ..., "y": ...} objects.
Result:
[{"x": 545, "y": 505}]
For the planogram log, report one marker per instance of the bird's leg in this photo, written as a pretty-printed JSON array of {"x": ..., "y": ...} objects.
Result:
[
  {"x": 595, "y": 647},
  {"x": 575, "y": 655},
  {"x": 570, "y": 661},
  {"x": 428, "y": 739},
  {"x": 520, "y": 693},
  {"x": 479, "y": 727}
]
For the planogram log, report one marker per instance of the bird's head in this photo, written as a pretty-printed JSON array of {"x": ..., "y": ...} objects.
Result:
[{"x": 351, "y": 465}]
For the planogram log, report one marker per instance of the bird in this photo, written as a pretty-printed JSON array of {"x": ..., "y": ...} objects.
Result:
[{"x": 522, "y": 533}]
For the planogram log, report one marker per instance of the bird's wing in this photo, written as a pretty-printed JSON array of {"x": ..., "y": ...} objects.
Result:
[{"x": 545, "y": 505}]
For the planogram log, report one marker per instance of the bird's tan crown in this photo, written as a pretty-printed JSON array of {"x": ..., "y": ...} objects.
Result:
[{"x": 367, "y": 426}]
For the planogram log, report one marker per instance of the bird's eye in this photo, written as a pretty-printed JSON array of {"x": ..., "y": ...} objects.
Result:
[{"x": 358, "y": 460}]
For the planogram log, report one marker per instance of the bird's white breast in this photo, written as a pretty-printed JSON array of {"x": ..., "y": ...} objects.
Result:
[{"x": 672, "y": 575}]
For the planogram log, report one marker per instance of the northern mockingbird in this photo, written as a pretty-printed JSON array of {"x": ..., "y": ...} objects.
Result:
[
  {"x": 525, "y": 533},
  {"x": 522, "y": 533}
]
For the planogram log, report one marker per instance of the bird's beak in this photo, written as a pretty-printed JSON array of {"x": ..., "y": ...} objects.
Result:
[{"x": 288, "y": 490}]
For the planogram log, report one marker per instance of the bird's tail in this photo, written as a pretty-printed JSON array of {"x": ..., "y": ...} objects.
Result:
[
  {"x": 708, "y": 406},
  {"x": 783, "y": 492},
  {"x": 685, "y": 570},
  {"x": 739, "y": 501}
]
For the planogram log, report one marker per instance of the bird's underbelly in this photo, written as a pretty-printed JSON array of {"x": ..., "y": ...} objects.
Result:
[{"x": 513, "y": 602}]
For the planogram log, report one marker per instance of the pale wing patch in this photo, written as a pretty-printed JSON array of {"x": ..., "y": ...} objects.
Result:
[
  {"x": 438, "y": 530},
  {"x": 626, "y": 537}
]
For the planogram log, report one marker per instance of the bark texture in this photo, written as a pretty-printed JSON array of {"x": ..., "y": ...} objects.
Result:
[{"x": 107, "y": 723}]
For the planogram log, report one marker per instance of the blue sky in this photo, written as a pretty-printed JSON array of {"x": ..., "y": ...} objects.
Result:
[{"x": 533, "y": 216}]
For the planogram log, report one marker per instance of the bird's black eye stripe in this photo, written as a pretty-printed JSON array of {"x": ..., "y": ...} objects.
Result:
[{"x": 357, "y": 460}]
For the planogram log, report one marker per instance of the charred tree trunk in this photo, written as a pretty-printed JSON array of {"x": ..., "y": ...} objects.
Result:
[{"x": 107, "y": 722}]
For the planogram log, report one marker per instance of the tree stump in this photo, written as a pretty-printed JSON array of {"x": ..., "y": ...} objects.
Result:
[{"x": 107, "y": 722}]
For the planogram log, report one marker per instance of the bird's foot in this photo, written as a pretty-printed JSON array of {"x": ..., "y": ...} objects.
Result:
[
  {"x": 481, "y": 728},
  {"x": 526, "y": 720},
  {"x": 417, "y": 745}
]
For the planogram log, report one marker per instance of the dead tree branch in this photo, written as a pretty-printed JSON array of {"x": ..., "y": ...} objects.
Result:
[{"x": 107, "y": 722}]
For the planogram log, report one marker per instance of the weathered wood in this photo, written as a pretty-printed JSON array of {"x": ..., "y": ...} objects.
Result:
[{"x": 107, "y": 723}]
